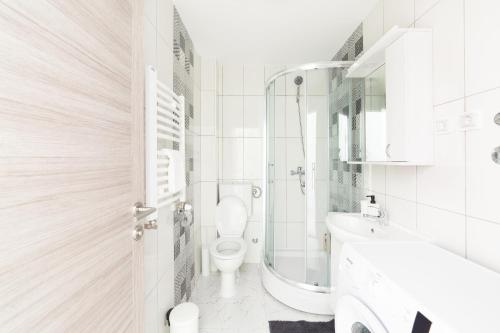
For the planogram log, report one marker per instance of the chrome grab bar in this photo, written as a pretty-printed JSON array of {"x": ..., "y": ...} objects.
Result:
[{"x": 141, "y": 212}]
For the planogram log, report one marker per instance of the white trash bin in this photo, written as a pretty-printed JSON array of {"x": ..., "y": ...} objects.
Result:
[{"x": 184, "y": 318}]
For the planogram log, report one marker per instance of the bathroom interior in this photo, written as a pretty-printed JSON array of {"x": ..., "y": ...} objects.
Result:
[{"x": 260, "y": 166}]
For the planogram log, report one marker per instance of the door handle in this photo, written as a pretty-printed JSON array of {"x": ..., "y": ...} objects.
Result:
[
  {"x": 138, "y": 232},
  {"x": 141, "y": 212},
  {"x": 388, "y": 151}
]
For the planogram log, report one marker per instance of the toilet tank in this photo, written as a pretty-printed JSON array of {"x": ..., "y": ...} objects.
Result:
[{"x": 243, "y": 191}]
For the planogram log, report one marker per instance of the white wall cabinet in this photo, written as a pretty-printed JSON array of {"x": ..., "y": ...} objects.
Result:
[{"x": 407, "y": 137}]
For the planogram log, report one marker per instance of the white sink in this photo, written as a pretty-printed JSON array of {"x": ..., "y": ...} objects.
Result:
[{"x": 353, "y": 227}]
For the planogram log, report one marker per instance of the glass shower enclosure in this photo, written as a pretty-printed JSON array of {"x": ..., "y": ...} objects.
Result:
[{"x": 309, "y": 120}]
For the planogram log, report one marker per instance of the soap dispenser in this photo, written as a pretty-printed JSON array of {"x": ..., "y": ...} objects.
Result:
[{"x": 370, "y": 208}]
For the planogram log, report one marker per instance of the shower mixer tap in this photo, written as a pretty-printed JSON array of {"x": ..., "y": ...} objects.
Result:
[{"x": 300, "y": 171}]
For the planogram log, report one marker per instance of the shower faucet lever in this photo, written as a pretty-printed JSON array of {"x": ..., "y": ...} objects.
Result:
[{"x": 299, "y": 172}]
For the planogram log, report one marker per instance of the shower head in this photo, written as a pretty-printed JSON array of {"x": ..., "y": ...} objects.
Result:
[{"x": 298, "y": 80}]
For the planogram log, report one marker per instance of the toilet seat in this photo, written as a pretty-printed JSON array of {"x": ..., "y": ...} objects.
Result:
[{"x": 228, "y": 248}]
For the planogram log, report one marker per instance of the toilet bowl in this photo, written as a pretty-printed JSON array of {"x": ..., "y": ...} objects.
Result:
[{"x": 228, "y": 251}]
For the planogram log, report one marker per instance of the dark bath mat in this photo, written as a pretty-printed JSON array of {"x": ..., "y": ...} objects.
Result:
[{"x": 302, "y": 326}]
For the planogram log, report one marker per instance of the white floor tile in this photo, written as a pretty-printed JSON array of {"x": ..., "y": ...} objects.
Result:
[{"x": 248, "y": 312}]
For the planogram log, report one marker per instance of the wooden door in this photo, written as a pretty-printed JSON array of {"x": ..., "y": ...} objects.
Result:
[{"x": 70, "y": 165}]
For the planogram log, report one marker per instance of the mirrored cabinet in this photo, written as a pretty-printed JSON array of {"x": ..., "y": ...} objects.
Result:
[{"x": 397, "y": 125}]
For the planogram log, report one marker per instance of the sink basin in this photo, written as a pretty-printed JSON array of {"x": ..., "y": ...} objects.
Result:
[
  {"x": 352, "y": 227},
  {"x": 346, "y": 227}
]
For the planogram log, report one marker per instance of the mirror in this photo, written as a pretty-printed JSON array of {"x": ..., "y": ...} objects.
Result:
[{"x": 375, "y": 116}]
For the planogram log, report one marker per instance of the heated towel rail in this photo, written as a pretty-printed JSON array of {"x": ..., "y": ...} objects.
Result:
[{"x": 165, "y": 143}]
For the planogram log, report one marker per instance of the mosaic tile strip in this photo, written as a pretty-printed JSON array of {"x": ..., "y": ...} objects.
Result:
[
  {"x": 346, "y": 181},
  {"x": 183, "y": 82}
]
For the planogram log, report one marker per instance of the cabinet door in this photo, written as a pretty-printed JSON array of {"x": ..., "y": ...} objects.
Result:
[{"x": 395, "y": 101}]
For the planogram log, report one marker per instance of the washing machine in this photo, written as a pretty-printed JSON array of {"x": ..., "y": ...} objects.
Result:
[{"x": 399, "y": 287}]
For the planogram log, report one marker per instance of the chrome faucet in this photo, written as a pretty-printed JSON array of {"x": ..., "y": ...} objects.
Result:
[{"x": 300, "y": 172}]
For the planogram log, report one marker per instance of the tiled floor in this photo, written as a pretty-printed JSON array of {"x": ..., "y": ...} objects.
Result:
[{"x": 249, "y": 311}]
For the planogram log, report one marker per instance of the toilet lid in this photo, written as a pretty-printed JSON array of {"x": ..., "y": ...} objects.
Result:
[{"x": 230, "y": 217}]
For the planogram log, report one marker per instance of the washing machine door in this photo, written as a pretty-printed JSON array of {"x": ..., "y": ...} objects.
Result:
[{"x": 352, "y": 316}]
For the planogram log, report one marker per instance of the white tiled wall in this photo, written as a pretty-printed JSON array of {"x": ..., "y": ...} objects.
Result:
[
  {"x": 454, "y": 202},
  {"x": 241, "y": 114},
  {"x": 158, "y": 245},
  {"x": 240, "y": 132},
  {"x": 209, "y": 150}
]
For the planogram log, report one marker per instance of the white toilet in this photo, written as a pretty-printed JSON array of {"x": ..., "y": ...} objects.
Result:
[{"x": 228, "y": 251}]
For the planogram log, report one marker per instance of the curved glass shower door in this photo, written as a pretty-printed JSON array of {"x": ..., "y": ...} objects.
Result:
[{"x": 302, "y": 146}]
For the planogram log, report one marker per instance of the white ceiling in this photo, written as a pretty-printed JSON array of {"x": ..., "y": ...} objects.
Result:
[{"x": 271, "y": 31}]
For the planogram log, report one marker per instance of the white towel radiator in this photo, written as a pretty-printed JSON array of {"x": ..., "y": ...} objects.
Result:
[{"x": 165, "y": 144}]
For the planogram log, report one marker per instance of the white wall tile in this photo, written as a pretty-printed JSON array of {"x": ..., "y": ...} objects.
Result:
[
  {"x": 401, "y": 182},
  {"x": 149, "y": 44},
  {"x": 373, "y": 25},
  {"x": 253, "y": 80},
  {"x": 322, "y": 159},
  {"x": 253, "y": 231},
  {"x": 165, "y": 242},
  {"x": 165, "y": 23},
  {"x": 295, "y": 235},
  {"x": 151, "y": 313},
  {"x": 208, "y": 113},
  {"x": 208, "y": 74},
  {"x": 232, "y": 116},
  {"x": 398, "y": 12},
  {"x": 208, "y": 158},
  {"x": 321, "y": 200},
  {"x": 442, "y": 227},
  {"x": 195, "y": 123},
  {"x": 279, "y": 117},
  {"x": 208, "y": 203},
  {"x": 279, "y": 83},
  {"x": 150, "y": 8},
  {"x": 280, "y": 163},
  {"x": 253, "y": 154},
  {"x": 292, "y": 117},
  {"x": 317, "y": 117},
  {"x": 375, "y": 178},
  {"x": 209, "y": 234},
  {"x": 483, "y": 175},
  {"x": 232, "y": 79},
  {"x": 317, "y": 83},
  {"x": 150, "y": 261},
  {"x": 447, "y": 23},
  {"x": 402, "y": 212},
  {"x": 197, "y": 204},
  {"x": 232, "y": 160},
  {"x": 421, "y": 6},
  {"x": 165, "y": 61},
  {"x": 295, "y": 202},
  {"x": 254, "y": 116},
  {"x": 279, "y": 235},
  {"x": 443, "y": 184},
  {"x": 280, "y": 197},
  {"x": 483, "y": 245},
  {"x": 482, "y": 50}
]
